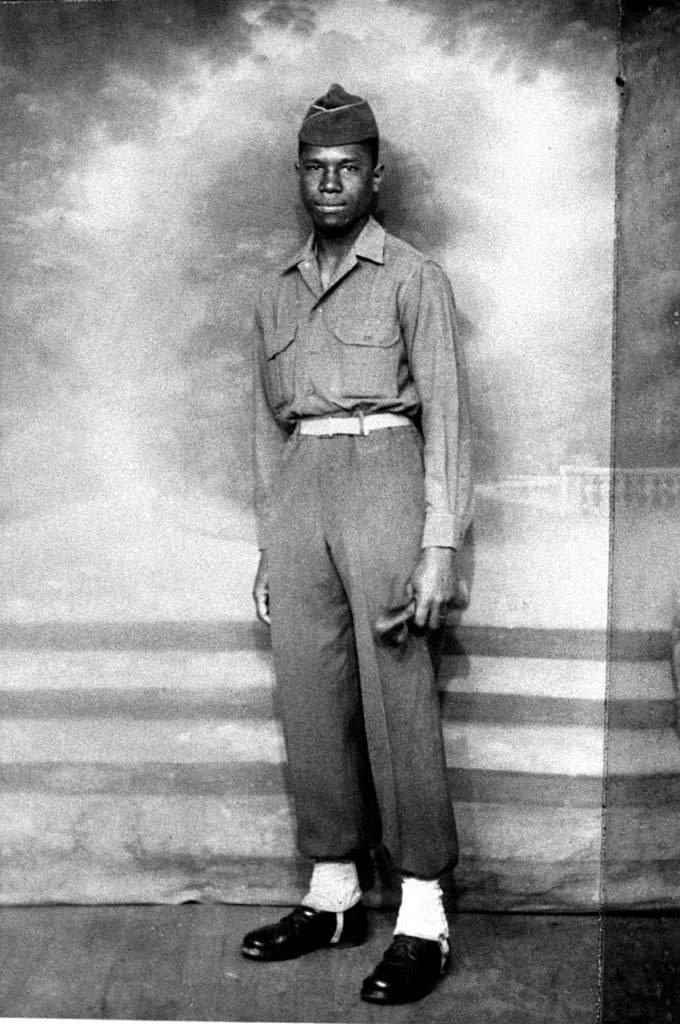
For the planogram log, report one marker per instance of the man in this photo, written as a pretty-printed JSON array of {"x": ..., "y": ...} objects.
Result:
[{"x": 363, "y": 496}]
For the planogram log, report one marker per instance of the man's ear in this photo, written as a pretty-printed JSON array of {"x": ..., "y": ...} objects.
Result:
[{"x": 378, "y": 172}]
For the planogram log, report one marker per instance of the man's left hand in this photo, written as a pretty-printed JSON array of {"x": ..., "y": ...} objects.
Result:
[{"x": 433, "y": 585}]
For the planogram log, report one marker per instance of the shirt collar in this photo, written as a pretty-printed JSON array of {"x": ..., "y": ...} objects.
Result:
[
  {"x": 304, "y": 253},
  {"x": 370, "y": 245}
]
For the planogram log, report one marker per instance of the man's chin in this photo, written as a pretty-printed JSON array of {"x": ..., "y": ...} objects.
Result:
[
  {"x": 334, "y": 230},
  {"x": 330, "y": 222},
  {"x": 337, "y": 226}
]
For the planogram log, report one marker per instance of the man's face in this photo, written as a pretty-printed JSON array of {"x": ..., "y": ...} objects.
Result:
[{"x": 337, "y": 185}]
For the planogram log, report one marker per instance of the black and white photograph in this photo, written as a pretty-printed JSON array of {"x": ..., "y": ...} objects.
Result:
[{"x": 340, "y": 511}]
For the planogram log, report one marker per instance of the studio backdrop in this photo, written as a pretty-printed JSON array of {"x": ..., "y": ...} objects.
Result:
[{"x": 147, "y": 183}]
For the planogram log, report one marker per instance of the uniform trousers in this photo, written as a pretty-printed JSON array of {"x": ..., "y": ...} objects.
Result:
[{"x": 361, "y": 718}]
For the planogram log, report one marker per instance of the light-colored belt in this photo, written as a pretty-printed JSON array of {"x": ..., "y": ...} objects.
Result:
[{"x": 328, "y": 426}]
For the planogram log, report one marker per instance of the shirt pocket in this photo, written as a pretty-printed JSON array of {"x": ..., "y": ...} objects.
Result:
[
  {"x": 280, "y": 351},
  {"x": 369, "y": 353}
]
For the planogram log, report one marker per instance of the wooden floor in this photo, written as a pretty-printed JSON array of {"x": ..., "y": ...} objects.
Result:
[{"x": 182, "y": 963}]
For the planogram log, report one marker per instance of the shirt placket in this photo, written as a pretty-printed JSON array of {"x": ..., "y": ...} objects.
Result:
[
  {"x": 309, "y": 318},
  {"x": 318, "y": 366}
]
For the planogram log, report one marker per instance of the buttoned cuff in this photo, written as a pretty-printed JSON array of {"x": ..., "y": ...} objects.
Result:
[{"x": 440, "y": 531}]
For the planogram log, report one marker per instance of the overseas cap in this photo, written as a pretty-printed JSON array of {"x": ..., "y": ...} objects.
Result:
[{"x": 338, "y": 119}]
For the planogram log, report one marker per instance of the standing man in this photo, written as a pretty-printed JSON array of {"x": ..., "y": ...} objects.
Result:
[{"x": 363, "y": 496}]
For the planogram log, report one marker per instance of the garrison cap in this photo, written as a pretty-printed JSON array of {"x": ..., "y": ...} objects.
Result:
[{"x": 337, "y": 119}]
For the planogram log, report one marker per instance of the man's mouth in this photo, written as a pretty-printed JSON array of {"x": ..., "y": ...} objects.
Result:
[{"x": 330, "y": 206}]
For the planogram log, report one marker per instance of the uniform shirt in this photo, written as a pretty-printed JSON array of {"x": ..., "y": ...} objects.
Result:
[{"x": 380, "y": 338}]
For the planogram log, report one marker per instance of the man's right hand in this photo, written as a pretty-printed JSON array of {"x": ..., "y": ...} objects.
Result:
[{"x": 261, "y": 590}]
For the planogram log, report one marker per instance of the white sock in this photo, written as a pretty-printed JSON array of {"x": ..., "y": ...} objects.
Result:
[
  {"x": 334, "y": 886},
  {"x": 421, "y": 912}
]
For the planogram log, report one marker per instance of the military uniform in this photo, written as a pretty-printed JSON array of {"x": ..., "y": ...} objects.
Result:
[
  {"x": 362, "y": 464},
  {"x": 343, "y": 519}
]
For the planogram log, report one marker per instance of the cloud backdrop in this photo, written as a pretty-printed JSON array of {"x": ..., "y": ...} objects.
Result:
[{"x": 147, "y": 181}]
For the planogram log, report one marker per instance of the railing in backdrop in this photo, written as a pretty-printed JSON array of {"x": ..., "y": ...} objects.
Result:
[{"x": 587, "y": 490}]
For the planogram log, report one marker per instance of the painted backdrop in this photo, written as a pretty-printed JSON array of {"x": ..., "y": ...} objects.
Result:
[{"x": 147, "y": 181}]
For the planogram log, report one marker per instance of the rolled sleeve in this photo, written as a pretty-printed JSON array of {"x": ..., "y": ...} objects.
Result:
[{"x": 437, "y": 366}]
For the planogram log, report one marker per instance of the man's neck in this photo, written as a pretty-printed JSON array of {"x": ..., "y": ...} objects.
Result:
[
  {"x": 332, "y": 245},
  {"x": 332, "y": 249}
]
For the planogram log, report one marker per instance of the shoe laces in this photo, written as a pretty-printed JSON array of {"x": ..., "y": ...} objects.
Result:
[
  {"x": 401, "y": 947},
  {"x": 402, "y": 951},
  {"x": 298, "y": 918}
]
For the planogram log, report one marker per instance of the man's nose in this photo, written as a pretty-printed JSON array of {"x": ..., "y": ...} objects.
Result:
[{"x": 330, "y": 181}]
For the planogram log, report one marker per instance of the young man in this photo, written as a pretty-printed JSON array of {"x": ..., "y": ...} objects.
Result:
[{"x": 363, "y": 496}]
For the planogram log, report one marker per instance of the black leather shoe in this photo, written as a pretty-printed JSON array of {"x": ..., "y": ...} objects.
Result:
[
  {"x": 304, "y": 930},
  {"x": 409, "y": 970}
]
